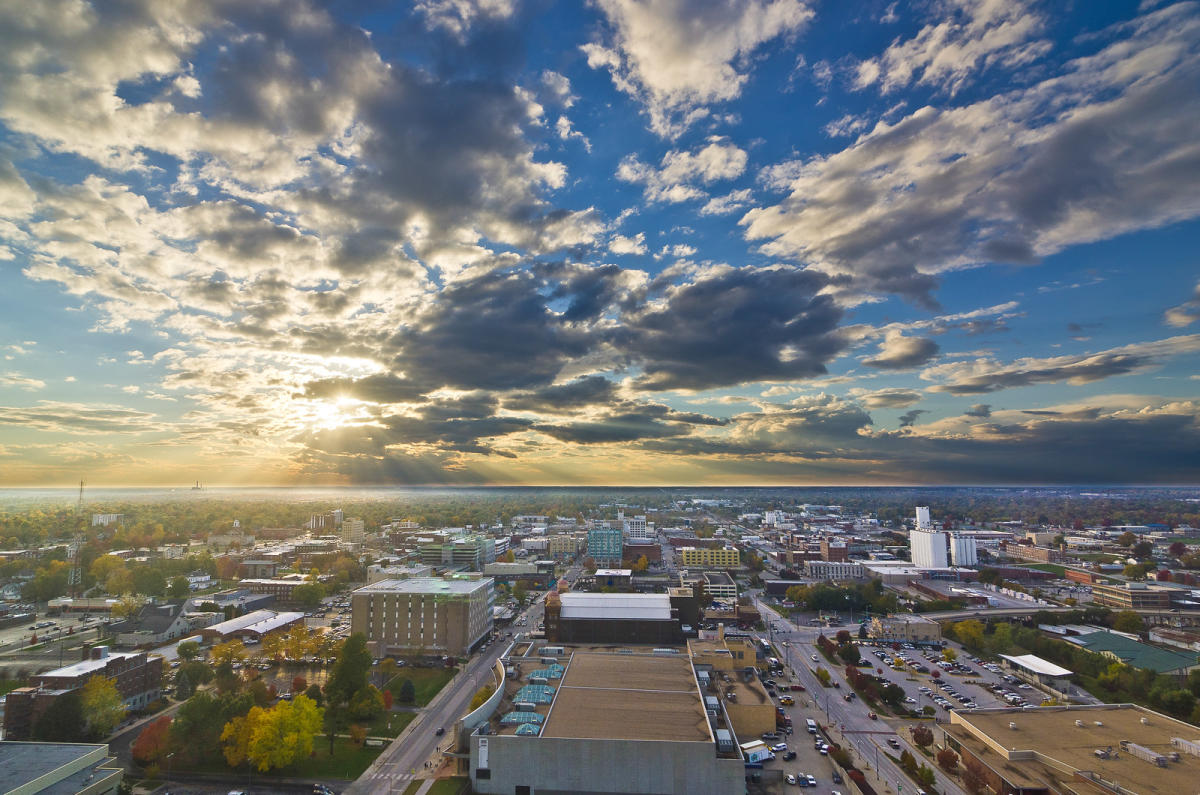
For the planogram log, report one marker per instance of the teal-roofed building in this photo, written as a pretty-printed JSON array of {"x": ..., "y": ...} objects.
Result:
[{"x": 1137, "y": 654}]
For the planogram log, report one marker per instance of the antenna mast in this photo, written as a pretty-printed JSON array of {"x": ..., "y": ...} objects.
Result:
[{"x": 75, "y": 575}]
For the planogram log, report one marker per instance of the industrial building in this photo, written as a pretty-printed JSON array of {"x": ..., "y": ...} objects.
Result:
[
  {"x": 905, "y": 629},
  {"x": 1035, "y": 669},
  {"x": 1120, "y": 648},
  {"x": 251, "y": 626},
  {"x": 59, "y": 768},
  {"x": 590, "y": 721},
  {"x": 423, "y": 615},
  {"x": 833, "y": 570},
  {"x": 1071, "y": 750},
  {"x": 137, "y": 677},
  {"x": 612, "y": 618},
  {"x": 928, "y": 549},
  {"x": 1132, "y": 595}
]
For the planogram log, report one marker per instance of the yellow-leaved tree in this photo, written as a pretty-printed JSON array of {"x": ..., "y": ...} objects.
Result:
[
  {"x": 103, "y": 707},
  {"x": 230, "y": 652}
]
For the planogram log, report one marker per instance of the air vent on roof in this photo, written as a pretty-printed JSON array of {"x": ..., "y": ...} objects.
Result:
[
  {"x": 1012, "y": 725},
  {"x": 1079, "y": 723}
]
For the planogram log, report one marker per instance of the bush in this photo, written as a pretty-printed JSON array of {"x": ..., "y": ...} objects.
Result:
[{"x": 947, "y": 760}]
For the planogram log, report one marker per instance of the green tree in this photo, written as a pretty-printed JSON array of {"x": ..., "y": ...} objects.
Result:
[
  {"x": 183, "y": 686},
  {"x": 349, "y": 673},
  {"x": 308, "y": 595},
  {"x": 188, "y": 650},
  {"x": 179, "y": 588},
  {"x": 1127, "y": 539},
  {"x": 849, "y": 654},
  {"x": 102, "y": 705},
  {"x": 1128, "y": 621},
  {"x": 408, "y": 692},
  {"x": 1143, "y": 550},
  {"x": 519, "y": 592},
  {"x": 1001, "y": 641},
  {"x": 367, "y": 704},
  {"x": 149, "y": 581}
]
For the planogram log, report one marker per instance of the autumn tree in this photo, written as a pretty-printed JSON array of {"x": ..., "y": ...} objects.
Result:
[
  {"x": 974, "y": 780},
  {"x": 179, "y": 588},
  {"x": 481, "y": 695},
  {"x": 358, "y": 734},
  {"x": 231, "y": 652},
  {"x": 1127, "y": 539},
  {"x": 153, "y": 741},
  {"x": 299, "y": 684},
  {"x": 922, "y": 736},
  {"x": 947, "y": 760},
  {"x": 188, "y": 650},
  {"x": 103, "y": 708}
]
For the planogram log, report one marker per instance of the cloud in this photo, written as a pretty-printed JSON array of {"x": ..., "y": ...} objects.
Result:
[
  {"x": 899, "y": 352},
  {"x": 621, "y": 244},
  {"x": 891, "y": 398},
  {"x": 457, "y": 16},
  {"x": 980, "y": 410},
  {"x": 1186, "y": 313},
  {"x": 1091, "y": 153},
  {"x": 675, "y": 179},
  {"x": 729, "y": 203},
  {"x": 678, "y": 58},
  {"x": 969, "y": 37},
  {"x": 19, "y": 381},
  {"x": 984, "y": 375},
  {"x": 565, "y": 398},
  {"x": 734, "y": 326},
  {"x": 645, "y": 421},
  {"x": 59, "y": 417},
  {"x": 908, "y": 418}
]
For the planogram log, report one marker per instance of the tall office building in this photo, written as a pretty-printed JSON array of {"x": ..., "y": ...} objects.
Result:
[
  {"x": 423, "y": 615},
  {"x": 928, "y": 548},
  {"x": 605, "y": 545}
]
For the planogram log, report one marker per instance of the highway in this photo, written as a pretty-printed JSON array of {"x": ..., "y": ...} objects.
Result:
[{"x": 848, "y": 722}]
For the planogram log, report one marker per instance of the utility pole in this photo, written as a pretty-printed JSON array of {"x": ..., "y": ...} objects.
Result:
[{"x": 75, "y": 575}]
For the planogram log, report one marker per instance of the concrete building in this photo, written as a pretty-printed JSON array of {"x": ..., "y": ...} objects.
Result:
[
  {"x": 716, "y": 651},
  {"x": 468, "y": 552},
  {"x": 281, "y": 588},
  {"x": 137, "y": 677},
  {"x": 537, "y": 572},
  {"x": 59, "y": 769},
  {"x": 353, "y": 530},
  {"x": 1034, "y": 554},
  {"x": 1131, "y": 595},
  {"x": 833, "y": 570},
  {"x": 928, "y": 548},
  {"x": 636, "y": 528},
  {"x": 963, "y": 551},
  {"x": 604, "y": 545},
  {"x": 1035, "y": 669},
  {"x": 720, "y": 586},
  {"x": 905, "y": 629},
  {"x": 424, "y": 615},
  {"x": 377, "y": 572},
  {"x": 563, "y": 546},
  {"x": 612, "y": 618},
  {"x": 1071, "y": 750},
  {"x": 834, "y": 551},
  {"x": 923, "y": 522},
  {"x": 703, "y": 558},
  {"x": 631, "y": 722}
]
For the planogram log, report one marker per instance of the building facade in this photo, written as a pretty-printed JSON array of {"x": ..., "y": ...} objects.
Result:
[
  {"x": 963, "y": 551},
  {"x": 469, "y": 552},
  {"x": 1130, "y": 596},
  {"x": 605, "y": 545},
  {"x": 928, "y": 549},
  {"x": 702, "y": 558},
  {"x": 831, "y": 570},
  {"x": 423, "y": 615},
  {"x": 905, "y": 629}
]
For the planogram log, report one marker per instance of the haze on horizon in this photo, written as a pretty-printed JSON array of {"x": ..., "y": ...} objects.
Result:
[{"x": 634, "y": 242}]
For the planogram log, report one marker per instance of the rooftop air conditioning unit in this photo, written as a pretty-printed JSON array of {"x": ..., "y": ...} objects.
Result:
[{"x": 1012, "y": 725}]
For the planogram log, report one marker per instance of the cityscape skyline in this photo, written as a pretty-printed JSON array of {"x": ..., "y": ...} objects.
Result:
[{"x": 475, "y": 242}]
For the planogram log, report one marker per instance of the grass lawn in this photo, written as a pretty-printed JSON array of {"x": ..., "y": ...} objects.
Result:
[
  {"x": 346, "y": 762},
  {"x": 9, "y": 685},
  {"x": 428, "y": 682},
  {"x": 449, "y": 786},
  {"x": 399, "y": 720}
]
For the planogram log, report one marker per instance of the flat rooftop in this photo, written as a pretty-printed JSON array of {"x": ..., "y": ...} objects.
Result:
[
  {"x": 426, "y": 585},
  {"x": 87, "y": 666},
  {"x": 1037, "y": 665},
  {"x": 644, "y": 607},
  {"x": 1046, "y": 737},
  {"x": 22, "y": 763},
  {"x": 629, "y": 697}
]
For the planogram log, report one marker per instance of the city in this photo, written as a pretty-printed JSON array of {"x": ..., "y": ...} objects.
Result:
[{"x": 676, "y": 644}]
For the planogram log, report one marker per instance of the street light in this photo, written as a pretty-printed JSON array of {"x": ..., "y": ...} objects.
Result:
[{"x": 168, "y": 785}]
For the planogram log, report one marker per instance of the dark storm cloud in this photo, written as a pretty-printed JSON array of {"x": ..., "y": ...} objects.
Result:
[
  {"x": 735, "y": 327},
  {"x": 640, "y": 421},
  {"x": 383, "y": 388},
  {"x": 908, "y": 418},
  {"x": 564, "y": 398},
  {"x": 891, "y": 398},
  {"x": 981, "y": 410}
]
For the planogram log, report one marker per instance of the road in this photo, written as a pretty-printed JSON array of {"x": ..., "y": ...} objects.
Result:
[
  {"x": 849, "y": 722},
  {"x": 404, "y": 760}
]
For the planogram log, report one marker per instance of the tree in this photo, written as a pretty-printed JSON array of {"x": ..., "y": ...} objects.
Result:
[
  {"x": 188, "y": 650},
  {"x": 149, "y": 581},
  {"x": 1135, "y": 571},
  {"x": 387, "y": 669},
  {"x": 926, "y": 777},
  {"x": 1177, "y": 549},
  {"x": 823, "y": 676},
  {"x": 947, "y": 760},
  {"x": 299, "y": 684},
  {"x": 62, "y": 722},
  {"x": 197, "y": 673},
  {"x": 481, "y": 695},
  {"x": 229, "y": 652},
  {"x": 183, "y": 686},
  {"x": 358, "y": 734},
  {"x": 1143, "y": 550},
  {"x": 272, "y": 738},
  {"x": 973, "y": 778},
  {"x": 1127, "y": 539},
  {"x": 314, "y": 692},
  {"x": 922, "y": 736},
  {"x": 388, "y": 700},
  {"x": 103, "y": 708},
  {"x": 408, "y": 692},
  {"x": 641, "y": 564},
  {"x": 308, "y": 595},
  {"x": 1128, "y": 621},
  {"x": 179, "y": 588},
  {"x": 126, "y": 606},
  {"x": 349, "y": 673},
  {"x": 950, "y": 654},
  {"x": 152, "y": 742},
  {"x": 843, "y": 637},
  {"x": 519, "y": 592},
  {"x": 367, "y": 704},
  {"x": 849, "y": 654}
]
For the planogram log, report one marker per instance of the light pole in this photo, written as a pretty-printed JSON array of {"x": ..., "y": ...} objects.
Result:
[{"x": 169, "y": 770}]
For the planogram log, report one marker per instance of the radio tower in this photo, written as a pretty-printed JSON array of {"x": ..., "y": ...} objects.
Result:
[{"x": 75, "y": 576}]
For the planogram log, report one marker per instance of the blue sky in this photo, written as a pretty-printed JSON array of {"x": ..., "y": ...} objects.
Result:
[{"x": 500, "y": 241}]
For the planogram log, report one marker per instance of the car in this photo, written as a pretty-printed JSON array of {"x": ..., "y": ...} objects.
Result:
[
  {"x": 812, "y": 781},
  {"x": 824, "y": 750},
  {"x": 789, "y": 778},
  {"x": 321, "y": 789},
  {"x": 767, "y": 736},
  {"x": 892, "y": 741},
  {"x": 872, "y": 716},
  {"x": 779, "y": 747},
  {"x": 789, "y": 756},
  {"x": 837, "y": 777},
  {"x": 814, "y": 657},
  {"x": 439, "y": 732}
]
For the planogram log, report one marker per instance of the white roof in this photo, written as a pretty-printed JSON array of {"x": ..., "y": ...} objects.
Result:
[
  {"x": 241, "y": 622},
  {"x": 1032, "y": 662},
  {"x": 613, "y": 572},
  {"x": 273, "y": 623},
  {"x": 651, "y": 607},
  {"x": 87, "y": 666}
]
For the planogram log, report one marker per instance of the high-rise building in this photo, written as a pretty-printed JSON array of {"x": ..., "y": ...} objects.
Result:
[
  {"x": 353, "y": 530},
  {"x": 928, "y": 548},
  {"x": 962, "y": 550},
  {"x": 471, "y": 552},
  {"x": 423, "y": 615},
  {"x": 605, "y": 545},
  {"x": 834, "y": 550}
]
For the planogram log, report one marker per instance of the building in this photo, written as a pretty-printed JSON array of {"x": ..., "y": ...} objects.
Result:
[
  {"x": 466, "y": 552},
  {"x": 715, "y": 651},
  {"x": 1070, "y": 750},
  {"x": 627, "y": 721},
  {"x": 905, "y": 629},
  {"x": 138, "y": 678},
  {"x": 252, "y": 626},
  {"x": 424, "y": 615},
  {"x": 538, "y": 573},
  {"x": 703, "y": 558},
  {"x": 720, "y": 586},
  {"x": 928, "y": 548},
  {"x": 1131, "y": 596},
  {"x": 833, "y": 570},
  {"x": 153, "y": 625},
  {"x": 604, "y": 545},
  {"x": 1118, "y": 647},
  {"x": 353, "y": 530},
  {"x": 1035, "y": 669},
  {"x": 59, "y": 768},
  {"x": 834, "y": 551},
  {"x": 563, "y": 546},
  {"x": 1077, "y": 575},
  {"x": 282, "y": 588},
  {"x": 1031, "y": 553},
  {"x": 377, "y": 572},
  {"x": 963, "y": 551},
  {"x": 636, "y": 528},
  {"x": 634, "y": 552},
  {"x": 612, "y": 618}
]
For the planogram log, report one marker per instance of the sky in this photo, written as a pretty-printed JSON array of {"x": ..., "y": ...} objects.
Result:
[{"x": 628, "y": 242}]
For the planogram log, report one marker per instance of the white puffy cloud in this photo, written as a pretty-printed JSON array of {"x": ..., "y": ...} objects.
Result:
[
  {"x": 457, "y": 16},
  {"x": 676, "y": 178},
  {"x": 621, "y": 244},
  {"x": 677, "y": 58}
]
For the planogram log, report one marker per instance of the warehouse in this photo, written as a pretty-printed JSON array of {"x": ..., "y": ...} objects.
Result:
[
  {"x": 612, "y": 618},
  {"x": 251, "y": 626}
]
